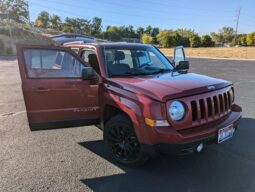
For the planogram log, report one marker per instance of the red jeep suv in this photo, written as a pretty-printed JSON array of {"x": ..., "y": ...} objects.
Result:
[{"x": 143, "y": 102}]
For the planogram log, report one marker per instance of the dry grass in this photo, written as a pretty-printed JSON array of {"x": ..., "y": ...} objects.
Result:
[
  {"x": 233, "y": 52},
  {"x": 20, "y": 35}
]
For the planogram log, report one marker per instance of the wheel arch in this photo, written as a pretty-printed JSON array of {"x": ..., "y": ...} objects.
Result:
[{"x": 133, "y": 113}]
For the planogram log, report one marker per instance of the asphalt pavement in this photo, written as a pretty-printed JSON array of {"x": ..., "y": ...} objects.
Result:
[{"x": 74, "y": 159}]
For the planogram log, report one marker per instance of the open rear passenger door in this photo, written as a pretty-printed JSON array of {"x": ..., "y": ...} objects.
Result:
[{"x": 55, "y": 94}]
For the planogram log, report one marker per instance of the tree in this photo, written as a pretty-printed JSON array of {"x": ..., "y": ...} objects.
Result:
[
  {"x": 154, "y": 31},
  {"x": 148, "y": 30},
  {"x": 55, "y": 22},
  {"x": 96, "y": 26},
  {"x": 128, "y": 31},
  {"x": 177, "y": 39},
  {"x": 227, "y": 34},
  {"x": 43, "y": 20},
  {"x": 166, "y": 38},
  {"x": 206, "y": 41},
  {"x": 250, "y": 39},
  {"x": 112, "y": 33},
  {"x": 146, "y": 39},
  {"x": 17, "y": 10},
  {"x": 140, "y": 31},
  {"x": 217, "y": 38},
  {"x": 76, "y": 25},
  {"x": 241, "y": 40},
  {"x": 185, "y": 32},
  {"x": 194, "y": 41},
  {"x": 185, "y": 35}
]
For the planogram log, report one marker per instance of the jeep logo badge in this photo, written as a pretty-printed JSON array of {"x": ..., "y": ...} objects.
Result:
[{"x": 210, "y": 87}]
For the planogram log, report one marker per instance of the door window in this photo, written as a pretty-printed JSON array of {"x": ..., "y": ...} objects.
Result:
[
  {"x": 42, "y": 63},
  {"x": 90, "y": 59}
]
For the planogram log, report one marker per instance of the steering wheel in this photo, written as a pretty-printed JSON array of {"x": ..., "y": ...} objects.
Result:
[{"x": 145, "y": 65}]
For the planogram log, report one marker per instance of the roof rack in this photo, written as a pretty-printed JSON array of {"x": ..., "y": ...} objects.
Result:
[
  {"x": 74, "y": 42},
  {"x": 71, "y": 35}
]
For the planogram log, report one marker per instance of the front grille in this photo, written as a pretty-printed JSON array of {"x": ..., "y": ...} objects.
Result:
[{"x": 210, "y": 108}]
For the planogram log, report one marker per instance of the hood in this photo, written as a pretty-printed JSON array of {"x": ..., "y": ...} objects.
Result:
[{"x": 168, "y": 86}]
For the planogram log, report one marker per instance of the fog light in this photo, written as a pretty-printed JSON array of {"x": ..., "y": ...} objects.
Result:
[
  {"x": 200, "y": 147},
  {"x": 156, "y": 123}
]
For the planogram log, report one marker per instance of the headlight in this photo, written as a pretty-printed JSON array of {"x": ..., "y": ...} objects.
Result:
[{"x": 176, "y": 111}]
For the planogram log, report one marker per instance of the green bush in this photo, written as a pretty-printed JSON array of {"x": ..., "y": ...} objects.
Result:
[
  {"x": 250, "y": 39},
  {"x": 9, "y": 51},
  {"x": 195, "y": 41},
  {"x": 146, "y": 39},
  {"x": 206, "y": 41},
  {"x": 4, "y": 31},
  {"x": 166, "y": 38}
]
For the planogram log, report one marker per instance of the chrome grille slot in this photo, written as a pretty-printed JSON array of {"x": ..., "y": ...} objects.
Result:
[
  {"x": 221, "y": 103},
  {"x": 216, "y": 105},
  {"x": 202, "y": 108},
  {"x": 229, "y": 99},
  {"x": 210, "y": 108},
  {"x": 194, "y": 110}
]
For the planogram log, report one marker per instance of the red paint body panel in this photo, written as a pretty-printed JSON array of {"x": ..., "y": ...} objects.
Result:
[
  {"x": 59, "y": 99},
  {"x": 169, "y": 86},
  {"x": 138, "y": 97}
]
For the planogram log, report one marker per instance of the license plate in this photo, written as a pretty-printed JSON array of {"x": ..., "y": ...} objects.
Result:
[{"x": 225, "y": 133}]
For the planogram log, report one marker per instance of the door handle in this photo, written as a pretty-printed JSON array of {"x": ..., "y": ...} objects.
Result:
[{"x": 41, "y": 90}]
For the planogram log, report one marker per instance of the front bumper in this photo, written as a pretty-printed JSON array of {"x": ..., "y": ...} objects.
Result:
[{"x": 185, "y": 141}]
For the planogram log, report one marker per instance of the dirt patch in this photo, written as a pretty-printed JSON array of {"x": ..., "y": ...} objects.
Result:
[
  {"x": 21, "y": 35},
  {"x": 232, "y": 52}
]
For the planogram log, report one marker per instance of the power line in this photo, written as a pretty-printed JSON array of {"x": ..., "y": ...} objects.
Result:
[
  {"x": 149, "y": 9},
  {"x": 133, "y": 7},
  {"x": 181, "y": 7},
  {"x": 131, "y": 15},
  {"x": 77, "y": 15}
]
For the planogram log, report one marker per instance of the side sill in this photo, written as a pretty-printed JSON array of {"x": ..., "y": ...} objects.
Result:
[{"x": 36, "y": 126}]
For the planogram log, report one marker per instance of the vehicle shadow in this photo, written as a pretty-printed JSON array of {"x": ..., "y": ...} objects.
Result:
[{"x": 229, "y": 166}]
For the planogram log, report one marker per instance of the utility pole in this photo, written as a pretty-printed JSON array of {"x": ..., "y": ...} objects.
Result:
[{"x": 237, "y": 23}]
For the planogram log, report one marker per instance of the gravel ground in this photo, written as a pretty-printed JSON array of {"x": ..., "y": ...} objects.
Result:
[{"x": 75, "y": 160}]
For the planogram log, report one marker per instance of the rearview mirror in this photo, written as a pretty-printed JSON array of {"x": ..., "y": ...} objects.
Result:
[
  {"x": 183, "y": 66},
  {"x": 87, "y": 73}
]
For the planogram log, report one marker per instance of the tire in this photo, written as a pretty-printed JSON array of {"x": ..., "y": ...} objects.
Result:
[{"x": 122, "y": 143}]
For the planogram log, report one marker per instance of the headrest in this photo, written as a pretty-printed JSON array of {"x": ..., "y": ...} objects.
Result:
[
  {"x": 119, "y": 55},
  {"x": 92, "y": 58},
  {"x": 138, "y": 54}
]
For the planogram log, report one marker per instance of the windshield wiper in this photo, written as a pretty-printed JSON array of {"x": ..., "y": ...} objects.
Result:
[
  {"x": 129, "y": 73},
  {"x": 161, "y": 71}
]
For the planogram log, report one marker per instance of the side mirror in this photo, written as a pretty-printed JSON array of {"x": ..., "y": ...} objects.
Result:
[
  {"x": 179, "y": 54},
  {"x": 183, "y": 66},
  {"x": 87, "y": 73}
]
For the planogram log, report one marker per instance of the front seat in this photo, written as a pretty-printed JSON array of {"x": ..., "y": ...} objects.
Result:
[
  {"x": 119, "y": 68},
  {"x": 93, "y": 62}
]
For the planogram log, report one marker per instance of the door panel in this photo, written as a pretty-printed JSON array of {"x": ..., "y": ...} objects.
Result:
[{"x": 54, "y": 93}]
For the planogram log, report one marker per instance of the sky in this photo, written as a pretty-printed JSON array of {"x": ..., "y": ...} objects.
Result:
[{"x": 203, "y": 16}]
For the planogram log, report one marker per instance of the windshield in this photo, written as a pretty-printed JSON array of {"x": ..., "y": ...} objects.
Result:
[{"x": 135, "y": 61}]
